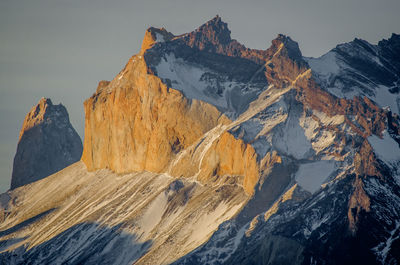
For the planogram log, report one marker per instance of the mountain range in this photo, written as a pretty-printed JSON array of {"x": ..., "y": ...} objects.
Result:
[{"x": 203, "y": 151}]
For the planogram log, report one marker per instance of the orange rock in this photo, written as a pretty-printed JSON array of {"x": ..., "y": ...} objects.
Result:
[
  {"x": 232, "y": 157},
  {"x": 137, "y": 123},
  {"x": 151, "y": 35},
  {"x": 359, "y": 201}
]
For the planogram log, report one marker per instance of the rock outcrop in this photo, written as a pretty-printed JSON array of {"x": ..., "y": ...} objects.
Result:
[
  {"x": 140, "y": 121},
  {"x": 137, "y": 123},
  {"x": 47, "y": 144},
  {"x": 215, "y": 37}
]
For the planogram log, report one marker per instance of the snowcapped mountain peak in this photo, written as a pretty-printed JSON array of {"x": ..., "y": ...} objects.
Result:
[{"x": 358, "y": 68}]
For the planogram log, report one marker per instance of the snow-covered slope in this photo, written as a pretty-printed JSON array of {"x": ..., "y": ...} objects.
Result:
[
  {"x": 196, "y": 81},
  {"x": 359, "y": 68},
  {"x": 77, "y": 217},
  {"x": 299, "y": 229}
]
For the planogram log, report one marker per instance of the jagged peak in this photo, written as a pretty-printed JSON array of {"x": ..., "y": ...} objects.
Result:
[
  {"x": 215, "y": 22},
  {"x": 353, "y": 44},
  {"x": 40, "y": 109},
  {"x": 154, "y": 35},
  {"x": 214, "y": 33},
  {"x": 214, "y": 36},
  {"x": 44, "y": 101},
  {"x": 283, "y": 38},
  {"x": 45, "y": 111},
  {"x": 394, "y": 40},
  {"x": 285, "y": 43},
  {"x": 354, "y": 47},
  {"x": 361, "y": 42},
  {"x": 47, "y": 143},
  {"x": 395, "y": 37},
  {"x": 216, "y": 29},
  {"x": 43, "y": 106},
  {"x": 160, "y": 34}
]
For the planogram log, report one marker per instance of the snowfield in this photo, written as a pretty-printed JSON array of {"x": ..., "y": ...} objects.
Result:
[
  {"x": 311, "y": 176},
  {"x": 386, "y": 148}
]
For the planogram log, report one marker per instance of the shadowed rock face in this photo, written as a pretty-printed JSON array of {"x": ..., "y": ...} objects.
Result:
[{"x": 47, "y": 144}]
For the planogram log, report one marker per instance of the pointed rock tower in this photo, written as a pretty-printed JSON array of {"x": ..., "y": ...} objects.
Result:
[{"x": 47, "y": 144}]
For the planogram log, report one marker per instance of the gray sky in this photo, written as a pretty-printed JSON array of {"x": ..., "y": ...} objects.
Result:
[{"x": 61, "y": 49}]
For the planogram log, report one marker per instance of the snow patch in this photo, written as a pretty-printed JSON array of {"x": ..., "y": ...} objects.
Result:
[
  {"x": 198, "y": 82},
  {"x": 386, "y": 99},
  {"x": 159, "y": 37},
  {"x": 342, "y": 80},
  {"x": 291, "y": 140},
  {"x": 200, "y": 230},
  {"x": 325, "y": 66},
  {"x": 383, "y": 248},
  {"x": 311, "y": 176},
  {"x": 186, "y": 78},
  {"x": 261, "y": 146},
  {"x": 154, "y": 213},
  {"x": 386, "y": 148}
]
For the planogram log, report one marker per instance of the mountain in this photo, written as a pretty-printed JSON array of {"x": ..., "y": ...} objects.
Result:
[
  {"x": 359, "y": 68},
  {"x": 47, "y": 143},
  {"x": 203, "y": 151}
]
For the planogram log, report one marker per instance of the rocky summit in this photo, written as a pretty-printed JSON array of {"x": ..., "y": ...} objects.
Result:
[
  {"x": 47, "y": 143},
  {"x": 204, "y": 151}
]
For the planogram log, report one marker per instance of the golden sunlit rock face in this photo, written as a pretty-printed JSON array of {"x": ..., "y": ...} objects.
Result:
[
  {"x": 35, "y": 116},
  {"x": 136, "y": 123},
  {"x": 359, "y": 201},
  {"x": 231, "y": 156},
  {"x": 152, "y": 35}
]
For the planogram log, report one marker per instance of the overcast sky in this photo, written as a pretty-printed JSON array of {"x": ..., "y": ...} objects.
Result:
[{"x": 61, "y": 49}]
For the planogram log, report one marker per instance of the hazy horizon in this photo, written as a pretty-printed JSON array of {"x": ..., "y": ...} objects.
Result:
[{"x": 62, "y": 49}]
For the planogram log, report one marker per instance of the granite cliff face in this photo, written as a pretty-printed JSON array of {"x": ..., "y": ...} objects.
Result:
[
  {"x": 47, "y": 143},
  {"x": 139, "y": 121},
  {"x": 203, "y": 151}
]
